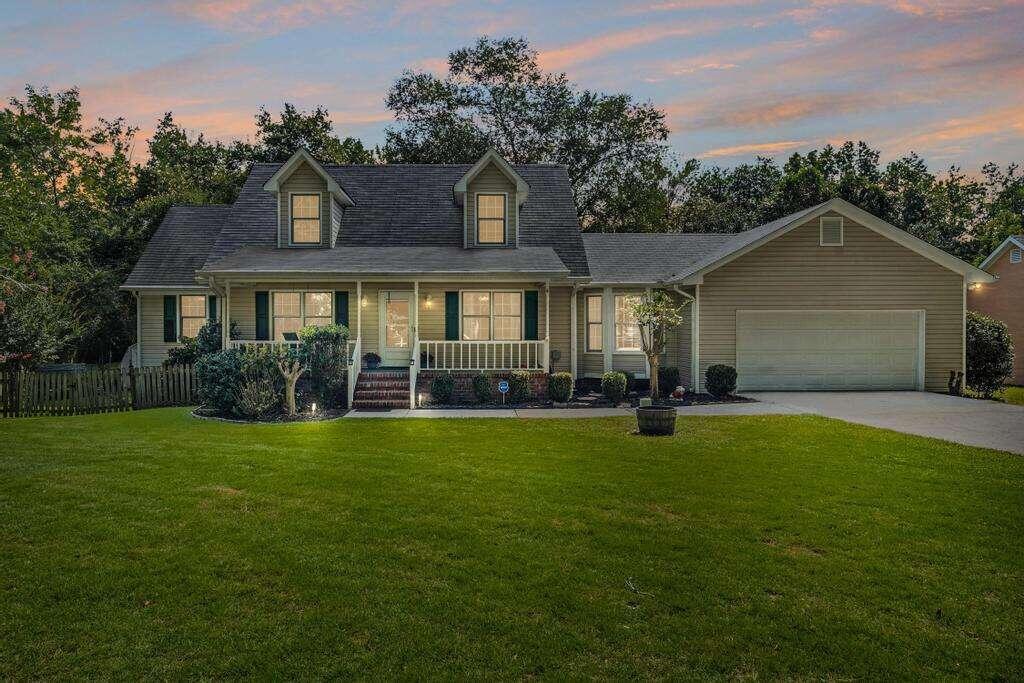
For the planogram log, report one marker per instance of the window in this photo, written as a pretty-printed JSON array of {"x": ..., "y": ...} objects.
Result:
[
  {"x": 627, "y": 332},
  {"x": 295, "y": 310},
  {"x": 193, "y": 315},
  {"x": 830, "y": 231},
  {"x": 1015, "y": 256},
  {"x": 305, "y": 215},
  {"x": 490, "y": 219},
  {"x": 595, "y": 329},
  {"x": 476, "y": 316},
  {"x": 492, "y": 315},
  {"x": 508, "y": 316}
]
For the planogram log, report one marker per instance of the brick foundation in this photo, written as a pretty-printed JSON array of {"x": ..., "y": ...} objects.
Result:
[{"x": 464, "y": 384}]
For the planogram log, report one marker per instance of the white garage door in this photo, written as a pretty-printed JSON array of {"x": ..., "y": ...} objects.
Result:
[{"x": 816, "y": 350}]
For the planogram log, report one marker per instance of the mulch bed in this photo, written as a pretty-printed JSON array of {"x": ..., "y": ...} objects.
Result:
[
  {"x": 593, "y": 399},
  {"x": 321, "y": 416}
]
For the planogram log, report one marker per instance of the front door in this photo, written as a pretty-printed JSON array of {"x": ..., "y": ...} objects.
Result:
[{"x": 396, "y": 327}]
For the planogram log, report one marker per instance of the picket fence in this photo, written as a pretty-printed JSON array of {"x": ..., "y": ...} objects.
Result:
[{"x": 99, "y": 390}]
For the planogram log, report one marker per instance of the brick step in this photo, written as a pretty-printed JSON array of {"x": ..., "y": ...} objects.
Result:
[
  {"x": 379, "y": 385},
  {"x": 382, "y": 394},
  {"x": 364, "y": 404},
  {"x": 385, "y": 375}
]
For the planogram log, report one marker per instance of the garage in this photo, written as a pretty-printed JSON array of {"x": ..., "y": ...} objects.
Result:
[{"x": 830, "y": 350}]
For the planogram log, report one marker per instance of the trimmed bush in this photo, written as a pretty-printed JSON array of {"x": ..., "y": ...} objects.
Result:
[
  {"x": 442, "y": 388},
  {"x": 668, "y": 379},
  {"x": 257, "y": 398},
  {"x": 560, "y": 387},
  {"x": 613, "y": 386},
  {"x": 720, "y": 380},
  {"x": 630, "y": 381},
  {"x": 519, "y": 386},
  {"x": 324, "y": 352},
  {"x": 989, "y": 354},
  {"x": 219, "y": 376},
  {"x": 482, "y": 388},
  {"x": 207, "y": 340}
]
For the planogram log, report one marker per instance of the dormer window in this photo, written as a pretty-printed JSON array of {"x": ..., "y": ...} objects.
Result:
[
  {"x": 490, "y": 218},
  {"x": 305, "y": 215}
]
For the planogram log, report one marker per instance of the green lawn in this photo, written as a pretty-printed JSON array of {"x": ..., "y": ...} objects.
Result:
[
  {"x": 1014, "y": 395},
  {"x": 152, "y": 544}
]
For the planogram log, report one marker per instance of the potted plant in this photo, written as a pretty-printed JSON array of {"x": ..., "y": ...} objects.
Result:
[
  {"x": 371, "y": 360},
  {"x": 656, "y": 313}
]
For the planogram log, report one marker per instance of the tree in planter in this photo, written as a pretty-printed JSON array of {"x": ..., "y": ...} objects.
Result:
[{"x": 656, "y": 313}]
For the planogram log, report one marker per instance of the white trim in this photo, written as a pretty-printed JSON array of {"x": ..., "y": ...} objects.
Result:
[
  {"x": 821, "y": 231},
  {"x": 1015, "y": 255},
  {"x": 921, "y": 329},
  {"x": 491, "y": 155},
  {"x": 476, "y": 219},
  {"x": 857, "y": 215},
  {"x": 490, "y": 313},
  {"x": 963, "y": 340},
  {"x": 138, "y": 328},
  {"x": 573, "y": 332},
  {"x": 283, "y": 173},
  {"x": 180, "y": 318},
  {"x": 695, "y": 378},
  {"x": 291, "y": 219},
  {"x": 607, "y": 331},
  {"x": 998, "y": 251},
  {"x": 302, "y": 304}
]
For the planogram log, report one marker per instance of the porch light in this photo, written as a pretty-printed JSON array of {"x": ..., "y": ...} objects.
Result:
[
  {"x": 428, "y": 301},
  {"x": 363, "y": 302}
]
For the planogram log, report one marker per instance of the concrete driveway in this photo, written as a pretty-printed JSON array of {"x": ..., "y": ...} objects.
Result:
[{"x": 963, "y": 420}]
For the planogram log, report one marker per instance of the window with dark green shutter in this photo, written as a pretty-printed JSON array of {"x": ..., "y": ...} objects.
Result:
[
  {"x": 212, "y": 308},
  {"x": 262, "y": 315},
  {"x": 170, "y": 318},
  {"x": 530, "y": 315},
  {"x": 341, "y": 308},
  {"x": 451, "y": 316}
]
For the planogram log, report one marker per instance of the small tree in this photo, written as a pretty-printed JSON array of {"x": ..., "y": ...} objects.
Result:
[
  {"x": 291, "y": 367},
  {"x": 656, "y": 313}
]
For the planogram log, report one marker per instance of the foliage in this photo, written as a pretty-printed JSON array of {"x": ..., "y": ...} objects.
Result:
[
  {"x": 482, "y": 388},
  {"x": 656, "y": 313},
  {"x": 720, "y": 380},
  {"x": 496, "y": 95},
  {"x": 207, "y": 340},
  {"x": 371, "y": 359},
  {"x": 277, "y": 140},
  {"x": 36, "y": 325},
  {"x": 325, "y": 352},
  {"x": 219, "y": 376},
  {"x": 520, "y": 386},
  {"x": 668, "y": 379},
  {"x": 257, "y": 397},
  {"x": 560, "y": 387},
  {"x": 613, "y": 386},
  {"x": 989, "y": 354},
  {"x": 442, "y": 388}
]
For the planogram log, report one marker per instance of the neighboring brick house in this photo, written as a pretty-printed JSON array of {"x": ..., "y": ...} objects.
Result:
[
  {"x": 469, "y": 267},
  {"x": 1004, "y": 299}
]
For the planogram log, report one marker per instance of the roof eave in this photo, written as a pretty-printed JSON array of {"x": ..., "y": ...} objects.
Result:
[
  {"x": 274, "y": 183},
  {"x": 492, "y": 156},
  {"x": 998, "y": 251}
]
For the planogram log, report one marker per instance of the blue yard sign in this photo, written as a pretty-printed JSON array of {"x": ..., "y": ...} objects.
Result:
[{"x": 503, "y": 389}]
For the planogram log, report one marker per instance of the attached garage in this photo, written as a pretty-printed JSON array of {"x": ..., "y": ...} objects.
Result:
[{"x": 830, "y": 349}]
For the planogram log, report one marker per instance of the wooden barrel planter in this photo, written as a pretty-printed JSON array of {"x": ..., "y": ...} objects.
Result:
[{"x": 656, "y": 420}]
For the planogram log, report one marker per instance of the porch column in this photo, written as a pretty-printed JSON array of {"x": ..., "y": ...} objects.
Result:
[
  {"x": 695, "y": 339},
  {"x": 226, "y": 315},
  {"x": 607, "y": 327},
  {"x": 572, "y": 333},
  {"x": 359, "y": 309},
  {"x": 414, "y": 361},
  {"x": 647, "y": 362},
  {"x": 547, "y": 326},
  {"x": 138, "y": 329}
]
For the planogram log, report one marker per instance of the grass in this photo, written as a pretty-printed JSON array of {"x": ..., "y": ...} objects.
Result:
[
  {"x": 1014, "y": 395},
  {"x": 151, "y": 544}
]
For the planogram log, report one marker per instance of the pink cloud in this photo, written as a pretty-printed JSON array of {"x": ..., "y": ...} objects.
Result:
[
  {"x": 262, "y": 16},
  {"x": 758, "y": 148},
  {"x": 1004, "y": 123}
]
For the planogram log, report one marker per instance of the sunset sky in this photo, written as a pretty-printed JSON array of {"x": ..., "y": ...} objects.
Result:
[{"x": 736, "y": 78}]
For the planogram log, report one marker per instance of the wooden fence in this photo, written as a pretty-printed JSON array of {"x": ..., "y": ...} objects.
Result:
[{"x": 101, "y": 390}]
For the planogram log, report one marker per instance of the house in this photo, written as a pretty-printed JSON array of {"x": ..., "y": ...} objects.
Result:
[
  {"x": 465, "y": 268},
  {"x": 1003, "y": 299}
]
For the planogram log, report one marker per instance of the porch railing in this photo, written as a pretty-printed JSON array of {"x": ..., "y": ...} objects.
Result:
[
  {"x": 482, "y": 355},
  {"x": 260, "y": 343},
  {"x": 355, "y": 361}
]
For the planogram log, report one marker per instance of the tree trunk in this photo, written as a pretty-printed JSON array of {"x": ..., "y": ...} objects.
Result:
[
  {"x": 290, "y": 370},
  {"x": 653, "y": 361}
]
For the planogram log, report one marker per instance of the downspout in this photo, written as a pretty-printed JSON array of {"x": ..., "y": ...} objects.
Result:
[{"x": 138, "y": 328}]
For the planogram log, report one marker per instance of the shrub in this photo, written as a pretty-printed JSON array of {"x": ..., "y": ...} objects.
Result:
[
  {"x": 519, "y": 386},
  {"x": 442, "y": 388},
  {"x": 720, "y": 380},
  {"x": 630, "y": 381},
  {"x": 560, "y": 387},
  {"x": 219, "y": 376},
  {"x": 257, "y": 398},
  {"x": 668, "y": 379},
  {"x": 989, "y": 354},
  {"x": 325, "y": 354},
  {"x": 207, "y": 340},
  {"x": 482, "y": 388},
  {"x": 613, "y": 386}
]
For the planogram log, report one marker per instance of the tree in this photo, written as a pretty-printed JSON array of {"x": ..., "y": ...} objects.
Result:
[
  {"x": 277, "y": 140},
  {"x": 655, "y": 313},
  {"x": 291, "y": 367},
  {"x": 496, "y": 95}
]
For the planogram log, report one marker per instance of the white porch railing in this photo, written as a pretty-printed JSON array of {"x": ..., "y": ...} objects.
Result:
[
  {"x": 355, "y": 362},
  {"x": 482, "y": 355},
  {"x": 260, "y": 343}
]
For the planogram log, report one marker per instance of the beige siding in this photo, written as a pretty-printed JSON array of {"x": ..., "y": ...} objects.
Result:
[
  {"x": 303, "y": 179},
  {"x": 243, "y": 301},
  {"x": 491, "y": 179},
  {"x": 154, "y": 348},
  {"x": 868, "y": 272}
]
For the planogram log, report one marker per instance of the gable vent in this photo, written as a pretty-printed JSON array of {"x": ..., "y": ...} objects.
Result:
[
  {"x": 1015, "y": 256},
  {"x": 831, "y": 228}
]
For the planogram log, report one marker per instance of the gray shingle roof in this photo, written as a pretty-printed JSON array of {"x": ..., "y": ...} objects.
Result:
[
  {"x": 179, "y": 247},
  {"x": 412, "y": 205},
  {"x": 392, "y": 260},
  {"x": 646, "y": 258}
]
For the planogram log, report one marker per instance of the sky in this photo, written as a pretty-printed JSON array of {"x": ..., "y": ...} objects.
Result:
[{"x": 737, "y": 78}]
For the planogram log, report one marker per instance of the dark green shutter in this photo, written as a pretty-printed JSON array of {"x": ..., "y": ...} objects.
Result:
[
  {"x": 262, "y": 315},
  {"x": 451, "y": 316},
  {"x": 530, "y": 308},
  {"x": 170, "y": 318},
  {"x": 212, "y": 307},
  {"x": 341, "y": 308}
]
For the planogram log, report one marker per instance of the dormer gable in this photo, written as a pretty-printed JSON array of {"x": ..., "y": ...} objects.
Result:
[
  {"x": 310, "y": 203},
  {"x": 491, "y": 194}
]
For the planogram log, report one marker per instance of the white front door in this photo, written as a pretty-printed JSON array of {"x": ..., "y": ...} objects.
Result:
[{"x": 396, "y": 327}]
